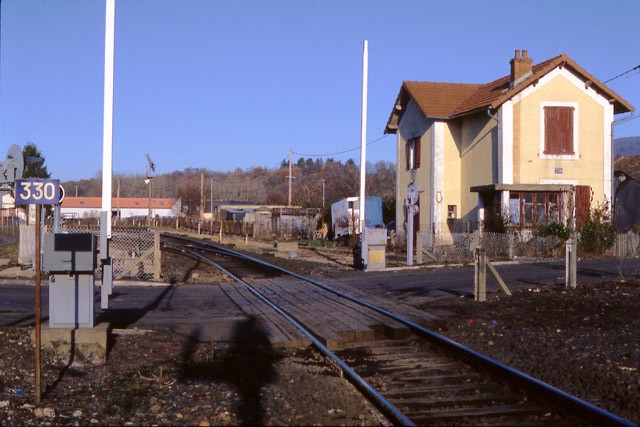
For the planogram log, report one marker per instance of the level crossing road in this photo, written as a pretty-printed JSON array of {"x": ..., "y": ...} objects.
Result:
[
  {"x": 459, "y": 280},
  {"x": 148, "y": 306}
]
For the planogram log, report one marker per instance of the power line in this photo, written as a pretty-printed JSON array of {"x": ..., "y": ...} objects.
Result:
[
  {"x": 626, "y": 120},
  {"x": 339, "y": 152},
  {"x": 637, "y": 67}
]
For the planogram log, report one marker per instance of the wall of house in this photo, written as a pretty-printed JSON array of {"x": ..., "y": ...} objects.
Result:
[
  {"x": 588, "y": 166},
  {"x": 452, "y": 194},
  {"x": 412, "y": 125},
  {"x": 477, "y": 142}
]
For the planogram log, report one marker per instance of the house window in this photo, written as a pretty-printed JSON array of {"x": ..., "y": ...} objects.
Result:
[
  {"x": 559, "y": 130},
  {"x": 533, "y": 208},
  {"x": 452, "y": 212},
  {"x": 412, "y": 151}
]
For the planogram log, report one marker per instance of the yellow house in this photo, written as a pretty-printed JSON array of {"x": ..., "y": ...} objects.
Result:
[{"x": 532, "y": 147}]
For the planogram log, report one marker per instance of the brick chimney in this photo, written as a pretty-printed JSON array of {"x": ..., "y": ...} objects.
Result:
[{"x": 520, "y": 67}]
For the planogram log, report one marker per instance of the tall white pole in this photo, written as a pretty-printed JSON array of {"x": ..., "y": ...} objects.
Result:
[
  {"x": 363, "y": 132},
  {"x": 107, "y": 134}
]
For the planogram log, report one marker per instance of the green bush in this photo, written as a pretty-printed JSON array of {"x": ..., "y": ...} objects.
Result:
[
  {"x": 599, "y": 233},
  {"x": 555, "y": 229}
]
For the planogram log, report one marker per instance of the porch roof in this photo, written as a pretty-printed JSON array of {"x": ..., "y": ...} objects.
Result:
[{"x": 523, "y": 187}]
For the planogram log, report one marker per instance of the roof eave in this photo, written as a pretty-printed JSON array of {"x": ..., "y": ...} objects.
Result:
[{"x": 620, "y": 105}]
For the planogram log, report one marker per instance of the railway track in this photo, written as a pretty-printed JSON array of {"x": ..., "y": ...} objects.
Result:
[{"x": 416, "y": 378}]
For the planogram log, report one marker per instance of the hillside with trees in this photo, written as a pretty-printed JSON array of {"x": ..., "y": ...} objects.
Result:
[{"x": 258, "y": 185}]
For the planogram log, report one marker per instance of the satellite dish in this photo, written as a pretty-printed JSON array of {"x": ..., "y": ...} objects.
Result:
[
  {"x": 13, "y": 166},
  {"x": 152, "y": 166}
]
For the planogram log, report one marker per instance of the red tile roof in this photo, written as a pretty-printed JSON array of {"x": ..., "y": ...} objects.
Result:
[
  {"x": 629, "y": 165},
  {"x": 450, "y": 100},
  {"x": 124, "y": 203}
]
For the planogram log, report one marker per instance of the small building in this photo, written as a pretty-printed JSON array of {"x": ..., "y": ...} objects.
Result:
[{"x": 124, "y": 207}]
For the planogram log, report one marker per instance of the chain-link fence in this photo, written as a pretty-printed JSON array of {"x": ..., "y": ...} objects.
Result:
[
  {"x": 131, "y": 250},
  {"x": 459, "y": 247}
]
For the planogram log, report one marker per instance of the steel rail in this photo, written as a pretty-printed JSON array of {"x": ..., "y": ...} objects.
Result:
[
  {"x": 533, "y": 385},
  {"x": 386, "y": 407}
]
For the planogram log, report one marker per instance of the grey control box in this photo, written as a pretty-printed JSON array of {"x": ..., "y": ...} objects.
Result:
[{"x": 69, "y": 252}]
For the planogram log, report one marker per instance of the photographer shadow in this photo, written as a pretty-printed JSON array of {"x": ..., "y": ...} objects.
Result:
[{"x": 248, "y": 365}]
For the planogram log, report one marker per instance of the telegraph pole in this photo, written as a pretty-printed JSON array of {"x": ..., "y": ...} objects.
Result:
[
  {"x": 201, "y": 196},
  {"x": 290, "y": 176},
  {"x": 211, "y": 195}
]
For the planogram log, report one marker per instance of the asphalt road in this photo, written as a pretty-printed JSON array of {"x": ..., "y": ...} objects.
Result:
[{"x": 154, "y": 306}]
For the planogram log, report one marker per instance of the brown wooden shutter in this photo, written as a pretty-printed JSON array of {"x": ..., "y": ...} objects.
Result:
[
  {"x": 417, "y": 152},
  {"x": 558, "y": 130},
  {"x": 583, "y": 205},
  {"x": 565, "y": 129}
]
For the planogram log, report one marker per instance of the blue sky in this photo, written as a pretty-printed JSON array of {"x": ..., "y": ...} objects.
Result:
[{"x": 227, "y": 84}]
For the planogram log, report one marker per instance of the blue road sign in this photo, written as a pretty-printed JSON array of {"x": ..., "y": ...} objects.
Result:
[{"x": 35, "y": 191}]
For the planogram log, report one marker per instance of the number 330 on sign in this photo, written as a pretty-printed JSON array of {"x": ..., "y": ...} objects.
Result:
[{"x": 37, "y": 191}]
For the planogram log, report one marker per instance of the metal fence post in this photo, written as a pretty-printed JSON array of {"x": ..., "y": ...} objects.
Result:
[
  {"x": 480, "y": 282},
  {"x": 157, "y": 257},
  {"x": 571, "y": 264}
]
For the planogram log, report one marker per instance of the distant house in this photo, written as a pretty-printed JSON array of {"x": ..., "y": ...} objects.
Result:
[
  {"x": 627, "y": 193},
  {"x": 345, "y": 215},
  {"x": 268, "y": 221},
  {"x": 126, "y": 207},
  {"x": 532, "y": 147}
]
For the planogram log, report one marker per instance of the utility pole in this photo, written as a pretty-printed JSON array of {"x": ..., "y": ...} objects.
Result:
[
  {"x": 211, "y": 195},
  {"x": 201, "y": 196},
  {"x": 118, "y": 200},
  {"x": 290, "y": 176}
]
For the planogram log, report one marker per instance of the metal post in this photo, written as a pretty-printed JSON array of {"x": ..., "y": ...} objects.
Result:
[
  {"x": 107, "y": 135},
  {"x": 480, "y": 282},
  {"x": 149, "y": 214},
  {"x": 107, "y": 148},
  {"x": 409, "y": 235},
  {"x": 363, "y": 136},
  {"x": 571, "y": 264},
  {"x": 38, "y": 328},
  {"x": 157, "y": 258}
]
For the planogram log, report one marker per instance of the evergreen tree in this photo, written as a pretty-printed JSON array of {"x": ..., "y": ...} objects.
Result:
[{"x": 34, "y": 169}]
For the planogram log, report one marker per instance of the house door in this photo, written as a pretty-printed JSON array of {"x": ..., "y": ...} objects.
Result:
[{"x": 583, "y": 205}]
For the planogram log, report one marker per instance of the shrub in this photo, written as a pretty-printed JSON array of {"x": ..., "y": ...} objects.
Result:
[
  {"x": 555, "y": 229},
  {"x": 495, "y": 221},
  {"x": 599, "y": 233}
]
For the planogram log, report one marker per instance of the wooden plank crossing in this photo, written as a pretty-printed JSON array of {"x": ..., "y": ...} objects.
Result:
[
  {"x": 333, "y": 319},
  {"x": 413, "y": 314},
  {"x": 280, "y": 333}
]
